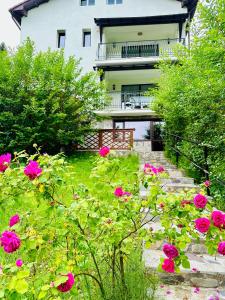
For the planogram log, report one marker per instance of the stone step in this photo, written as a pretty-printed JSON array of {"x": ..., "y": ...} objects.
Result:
[
  {"x": 174, "y": 188},
  {"x": 193, "y": 247},
  {"x": 175, "y": 173},
  {"x": 210, "y": 271},
  {"x": 180, "y": 187},
  {"x": 181, "y": 292},
  {"x": 182, "y": 180}
]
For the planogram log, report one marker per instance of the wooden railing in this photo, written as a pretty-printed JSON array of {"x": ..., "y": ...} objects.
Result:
[{"x": 116, "y": 139}]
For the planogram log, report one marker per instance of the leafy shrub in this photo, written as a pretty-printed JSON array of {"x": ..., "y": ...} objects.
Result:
[
  {"x": 83, "y": 246},
  {"x": 45, "y": 99},
  {"x": 191, "y": 100}
]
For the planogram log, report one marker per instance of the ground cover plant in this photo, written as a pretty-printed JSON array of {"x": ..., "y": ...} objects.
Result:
[{"x": 63, "y": 243}]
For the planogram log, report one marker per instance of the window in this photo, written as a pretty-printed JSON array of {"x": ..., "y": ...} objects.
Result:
[
  {"x": 110, "y": 2},
  {"x": 86, "y": 38},
  {"x": 87, "y": 2},
  {"x": 61, "y": 38},
  {"x": 142, "y": 128}
]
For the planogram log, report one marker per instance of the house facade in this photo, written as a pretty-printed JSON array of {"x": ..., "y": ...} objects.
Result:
[{"x": 125, "y": 39}]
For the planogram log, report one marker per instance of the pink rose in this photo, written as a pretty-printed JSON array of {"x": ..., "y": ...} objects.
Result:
[
  {"x": 67, "y": 286},
  {"x": 150, "y": 169},
  {"x": 120, "y": 193},
  {"x": 170, "y": 251},
  {"x": 10, "y": 241},
  {"x": 161, "y": 169},
  {"x": 168, "y": 265},
  {"x": 218, "y": 218},
  {"x": 221, "y": 248},
  {"x": 104, "y": 151},
  {"x": 32, "y": 170},
  {"x": 200, "y": 201},
  {"x": 19, "y": 263},
  {"x": 14, "y": 220},
  {"x": 197, "y": 290},
  {"x": 5, "y": 160},
  {"x": 147, "y": 168},
  {"x": 202, "y": 224},
  {"x": 207, "y": 183}
]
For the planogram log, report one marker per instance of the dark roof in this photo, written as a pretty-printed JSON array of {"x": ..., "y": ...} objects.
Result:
[
  {"x": 191, "y": 6},
  {"x": 21, "y": 10},
  {"x": 164, "y": 19}
]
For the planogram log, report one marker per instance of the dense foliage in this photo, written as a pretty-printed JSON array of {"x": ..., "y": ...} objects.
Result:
[
  {"x": 3, "y": 46},
  {"x": 45, "y": 99},
  {"x": 191, "y": 98},
  {"x": 57, "y": 238}
]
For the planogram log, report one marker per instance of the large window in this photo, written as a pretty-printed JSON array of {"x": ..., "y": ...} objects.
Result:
[
  {"x": 87, "y": 2},
  {"x": 61, "y": 39},
  {"x": 142, "y": 128},
  {"x": 111, "y": 2},
  {"x": 86, "y": 38}
]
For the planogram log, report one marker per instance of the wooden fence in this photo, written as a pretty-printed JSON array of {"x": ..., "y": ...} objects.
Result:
[{"x": 116, "y": 139}]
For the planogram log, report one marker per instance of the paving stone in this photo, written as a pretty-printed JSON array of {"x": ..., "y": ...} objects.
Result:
[
  {"x": 198, "y": 248},
  {"x": 181, "y": 292},
  {"x": 211, "y": 271},
  {"x": 205, "y": 282}
]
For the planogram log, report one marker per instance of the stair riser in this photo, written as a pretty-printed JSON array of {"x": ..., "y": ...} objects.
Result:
[{"x": 201, "y": 280}]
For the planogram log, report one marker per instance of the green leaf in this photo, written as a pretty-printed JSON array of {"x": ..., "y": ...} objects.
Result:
[
  {"x": 21, "y": 286},
  {"x": 42, "y": 294},
  {"x": 2, "y": 294},
  {"x": 186, "y": 264},
  {"x": 23, "y": 274},
  {"x": 60, "y": 279}
]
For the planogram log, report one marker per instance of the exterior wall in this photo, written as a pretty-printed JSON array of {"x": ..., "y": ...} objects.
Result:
[
  {"x": 105, "y": 124},
  {"x": 42, "y": 23},
  {"x": 119, "y": 78}
]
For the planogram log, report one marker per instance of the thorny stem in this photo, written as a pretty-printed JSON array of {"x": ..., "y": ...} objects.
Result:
[
  {"x": 94, "y": 259},
  {"x": 94, "y": 278},
  {"x": 113, "y": 267}
]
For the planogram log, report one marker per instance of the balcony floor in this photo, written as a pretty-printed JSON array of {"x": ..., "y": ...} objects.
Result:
[
  {"x": 126, "y": 113},
  {"x": 131, "y": 61}
]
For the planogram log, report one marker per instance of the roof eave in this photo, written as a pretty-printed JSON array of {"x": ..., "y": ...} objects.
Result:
[{"x": 21, "y": 9}]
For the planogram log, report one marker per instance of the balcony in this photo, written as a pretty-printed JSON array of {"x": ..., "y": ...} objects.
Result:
[
  {"x": 142, "y": 50},
  {"x": 129, "y": 101}
]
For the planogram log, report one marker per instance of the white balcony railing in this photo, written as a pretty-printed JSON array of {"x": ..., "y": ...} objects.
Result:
[
  {"x": 124, "y": 50},
  {"x": 129, "y": 101}
]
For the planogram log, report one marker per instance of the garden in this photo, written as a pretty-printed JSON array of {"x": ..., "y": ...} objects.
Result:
[
  {"x": 74, "y": 225},
  {"x": 65, "y": 235}
]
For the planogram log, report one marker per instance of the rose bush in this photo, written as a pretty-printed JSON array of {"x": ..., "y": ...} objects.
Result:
[{"x": 55, "y": 239}]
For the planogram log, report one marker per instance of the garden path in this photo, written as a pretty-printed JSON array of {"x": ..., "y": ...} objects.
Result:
[{"x": 206, "y": 276}]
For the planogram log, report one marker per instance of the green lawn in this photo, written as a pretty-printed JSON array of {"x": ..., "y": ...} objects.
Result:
[{"x": 78, "y": 175}]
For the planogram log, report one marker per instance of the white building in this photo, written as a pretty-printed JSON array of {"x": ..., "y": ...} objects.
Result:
[{"x": 124, "y": 38}]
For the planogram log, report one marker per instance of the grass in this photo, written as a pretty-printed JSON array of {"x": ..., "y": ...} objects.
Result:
[{"x": 80, "y": 166}]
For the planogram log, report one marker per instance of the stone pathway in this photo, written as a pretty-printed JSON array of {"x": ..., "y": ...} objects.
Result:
[{"x": 206, "y": 276}]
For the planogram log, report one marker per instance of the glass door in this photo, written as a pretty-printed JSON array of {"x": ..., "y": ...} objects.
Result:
[{"x": 157, "y": 135}]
